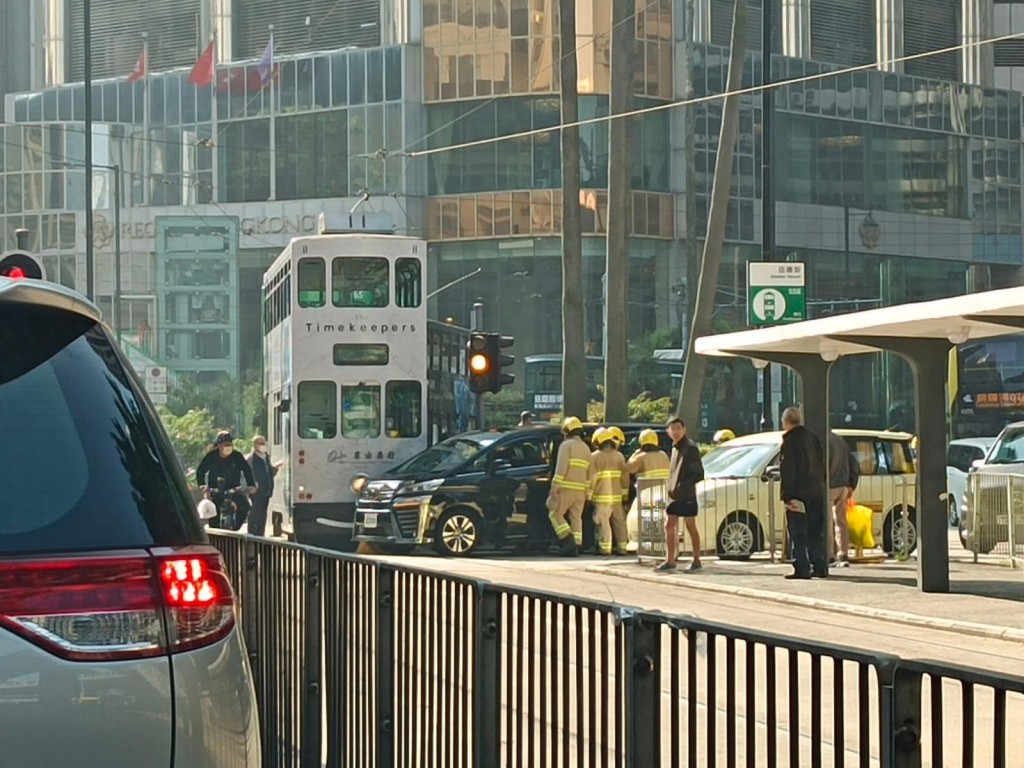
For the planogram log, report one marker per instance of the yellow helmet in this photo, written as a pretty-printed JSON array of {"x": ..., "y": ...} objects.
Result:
[
  {"x": 723, "y": 436},
  {"x": 571, "y": 424},
  {"x": 618, "y": 435},
  {"x": 649, "y": 437},
  {"x": 601, "y": 436}
]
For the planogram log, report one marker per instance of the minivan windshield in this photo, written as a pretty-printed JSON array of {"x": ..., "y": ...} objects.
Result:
[
  {"x": 444, "y": 457},
  {"x": 83, "y": 465},
  {"x": 738, "y": 460},
  {"x": 1009, "y": 449}
]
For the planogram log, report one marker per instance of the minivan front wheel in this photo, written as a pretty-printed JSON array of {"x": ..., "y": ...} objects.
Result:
[{"x": 457, "y": 533}]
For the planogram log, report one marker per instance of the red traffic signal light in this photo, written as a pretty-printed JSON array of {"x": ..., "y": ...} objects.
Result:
[{"x": 18, "y": 265}]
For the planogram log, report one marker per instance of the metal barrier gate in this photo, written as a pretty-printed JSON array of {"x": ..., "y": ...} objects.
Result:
[{"x": 361, "y": 663}]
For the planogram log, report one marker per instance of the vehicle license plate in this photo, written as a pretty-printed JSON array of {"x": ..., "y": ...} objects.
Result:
[{"x": 370, "y": 520}]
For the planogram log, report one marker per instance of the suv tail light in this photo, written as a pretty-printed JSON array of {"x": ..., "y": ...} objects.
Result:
[{"x": 108, "y": 607}]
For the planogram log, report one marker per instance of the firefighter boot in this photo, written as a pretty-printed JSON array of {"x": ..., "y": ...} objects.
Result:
[{"x": 568, "y": 547}]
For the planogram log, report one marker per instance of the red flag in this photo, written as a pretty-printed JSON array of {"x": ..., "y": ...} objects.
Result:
[
  {"x": 202, "y": 71},
  {"x": 141, "y": 69}
]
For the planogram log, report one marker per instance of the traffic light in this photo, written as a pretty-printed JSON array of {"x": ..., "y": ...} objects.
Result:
[
  {"x": 19, "y": 265},
  {"x": 486, "y": 362},
  {"x": 479, "y": 363},
  {"x": 499, "y": 361}
]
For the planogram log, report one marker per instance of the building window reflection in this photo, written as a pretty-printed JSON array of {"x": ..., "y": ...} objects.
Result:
[{"x": 538, "y": 213}]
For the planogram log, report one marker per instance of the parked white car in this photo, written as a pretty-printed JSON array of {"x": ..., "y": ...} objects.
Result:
[
  {"x": 739, "y": 508},
  {"x": 961, "y": 455}
]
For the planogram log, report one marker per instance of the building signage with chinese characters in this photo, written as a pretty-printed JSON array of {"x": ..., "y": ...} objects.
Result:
[{"x": 775, "y": 292}]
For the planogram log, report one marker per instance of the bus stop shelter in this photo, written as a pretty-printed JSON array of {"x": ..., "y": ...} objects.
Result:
[{"x": 923, "y": 334}]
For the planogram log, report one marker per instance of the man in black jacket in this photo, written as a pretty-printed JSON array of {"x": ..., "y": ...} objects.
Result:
[
  {"x": 803, "y": 492},
  {"x": 685, "y": 471},
  {"x": 263, "y": 472}
]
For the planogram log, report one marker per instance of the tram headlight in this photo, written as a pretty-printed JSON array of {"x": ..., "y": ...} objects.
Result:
[{"x": 359, "y": 483}]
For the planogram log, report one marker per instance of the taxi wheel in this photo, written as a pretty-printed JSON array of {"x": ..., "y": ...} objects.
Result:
[
  {"x": 896, "y": 540},
  {"x": 739, "y": 536},
  {"x": 457, "y": 533}
]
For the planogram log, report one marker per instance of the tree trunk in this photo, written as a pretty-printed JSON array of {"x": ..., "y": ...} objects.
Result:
[
  {"x": 688, "y": 407},
  {"x": 574, "y": 363},
  {"x": 616, "y": 305}
]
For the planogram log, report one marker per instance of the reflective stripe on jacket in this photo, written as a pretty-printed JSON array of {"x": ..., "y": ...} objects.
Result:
[
  {"x": 572, "y": 466},
  {"x": 609, "y": 480},
  {"x": 649, "y": 465}
]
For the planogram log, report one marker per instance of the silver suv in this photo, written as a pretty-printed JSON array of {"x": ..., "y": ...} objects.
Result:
[{"x": 118, "y": 638}]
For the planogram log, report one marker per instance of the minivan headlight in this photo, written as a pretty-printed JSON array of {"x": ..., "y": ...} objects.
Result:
[
  {"x": 359, "y": 483},
  {"x": 427, "y": 486}
]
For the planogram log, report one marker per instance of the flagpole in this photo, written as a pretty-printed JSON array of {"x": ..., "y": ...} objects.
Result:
[
  {"x": 215, "y": 154},
  {"x": 146, "y": 161},
  {"x": 273, "y": 123}
]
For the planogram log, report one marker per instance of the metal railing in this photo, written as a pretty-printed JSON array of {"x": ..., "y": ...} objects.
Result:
[
  {"x": 994, "y": 520},
  {"x": 362, "y": 663}
]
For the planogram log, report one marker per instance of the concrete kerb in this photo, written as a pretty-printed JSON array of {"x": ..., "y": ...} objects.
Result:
[{"x": 898, "y": 617}]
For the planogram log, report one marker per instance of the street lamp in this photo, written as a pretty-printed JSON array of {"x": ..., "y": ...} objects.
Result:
[
  {"x": 116, "y": 308},
  {"x": 90, "y": 276}
]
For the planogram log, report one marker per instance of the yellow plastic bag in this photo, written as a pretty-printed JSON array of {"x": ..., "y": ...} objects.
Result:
[{"x": 858, "y": 520}]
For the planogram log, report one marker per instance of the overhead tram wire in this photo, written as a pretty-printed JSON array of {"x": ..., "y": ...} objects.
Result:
[{"x": 712, "y": 97}]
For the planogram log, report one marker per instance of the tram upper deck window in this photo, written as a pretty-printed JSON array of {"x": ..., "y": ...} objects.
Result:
[
  {"x": 360, "y": 282},
  {"x": 312, "y": 282},
  {"x": 408, "y": 283}
]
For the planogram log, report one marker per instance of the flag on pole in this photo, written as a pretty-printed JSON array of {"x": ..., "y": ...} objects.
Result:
[
  {"x": 203, "y": 70},
  {"x": 266, "y": 64},
  {"x": 141, "y": 68}
]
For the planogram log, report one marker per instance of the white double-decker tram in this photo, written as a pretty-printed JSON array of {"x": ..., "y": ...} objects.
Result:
[{"x": 345, "y": 362}]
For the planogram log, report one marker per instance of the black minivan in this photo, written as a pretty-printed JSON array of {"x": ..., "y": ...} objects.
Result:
[{"x": 472, "y": 491}]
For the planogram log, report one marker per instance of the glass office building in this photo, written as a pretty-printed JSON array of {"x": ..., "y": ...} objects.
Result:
[{"x": 896, "y": 183}]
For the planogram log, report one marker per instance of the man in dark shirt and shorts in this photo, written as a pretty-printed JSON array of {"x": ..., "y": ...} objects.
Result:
[{"x": 685, "y": 471}]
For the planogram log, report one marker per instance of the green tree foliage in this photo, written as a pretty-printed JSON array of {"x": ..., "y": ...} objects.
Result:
[
  {"x": 642, "y": 409},
  {"x": 502, "y": 409},
  {"x": 191, "y": 433}
]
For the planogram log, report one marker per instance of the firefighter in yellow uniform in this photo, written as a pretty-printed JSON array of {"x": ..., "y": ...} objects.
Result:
[
  {"x": 608, "y": 482},
  {"x": 620, "y": 440},
  {"x": 651, "y": 465},
  {"x": 569, "y": 488}
]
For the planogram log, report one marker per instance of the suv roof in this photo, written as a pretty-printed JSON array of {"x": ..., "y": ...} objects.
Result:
[
  {"x": 757, "y": 438},
  {"x": 86, "y": 465}
]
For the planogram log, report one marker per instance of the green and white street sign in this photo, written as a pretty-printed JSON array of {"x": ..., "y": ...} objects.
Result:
[{"x": 775, "y": 292}]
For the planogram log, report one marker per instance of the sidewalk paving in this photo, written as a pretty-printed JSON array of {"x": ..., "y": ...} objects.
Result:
[{"x": 985, "y": 599}]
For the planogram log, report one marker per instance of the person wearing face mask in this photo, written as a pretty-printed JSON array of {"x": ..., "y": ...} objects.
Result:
[
  {"x": 224, "y": 463},
  {"x": 264, "y": 472}
]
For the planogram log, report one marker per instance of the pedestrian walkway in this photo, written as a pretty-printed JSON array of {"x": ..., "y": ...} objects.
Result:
[{"x": 985, "y": 599}]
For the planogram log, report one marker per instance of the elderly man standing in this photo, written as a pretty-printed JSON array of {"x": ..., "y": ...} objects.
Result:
[{"x": 803, "y": 492}]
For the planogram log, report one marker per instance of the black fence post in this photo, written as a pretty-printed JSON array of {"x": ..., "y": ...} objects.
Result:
[
  {"x": 312, "y": 707},
  {"x": 249, "y": 608},
  {"x": 487, "y": 677},
  {"x": 385, "y": 666},
  {"x": 643, "y": 683},
  {"x": 901, "y": 718}
]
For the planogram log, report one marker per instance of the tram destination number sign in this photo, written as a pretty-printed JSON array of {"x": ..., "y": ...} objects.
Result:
[{"x": 776, "y": 292}]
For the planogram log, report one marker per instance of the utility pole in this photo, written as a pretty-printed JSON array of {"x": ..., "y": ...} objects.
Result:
[
  {"x": 90, "y": 266},
  {"x": 616, "y": 304},
  {"x": 767, "y": 194},
  {"x": 690, "y": 180},
  {"x": 688, "y": 407},
  {"x": 574, "y": 363}
]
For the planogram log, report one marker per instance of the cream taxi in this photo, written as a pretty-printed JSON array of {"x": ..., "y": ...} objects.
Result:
[{"x": 740, "y": 512}]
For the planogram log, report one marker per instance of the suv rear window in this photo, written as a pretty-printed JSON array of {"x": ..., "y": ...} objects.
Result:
[{"x": 82, "y": 463}]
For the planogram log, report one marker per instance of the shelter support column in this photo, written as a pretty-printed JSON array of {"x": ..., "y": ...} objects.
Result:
[{"x": 929, "y": 360}]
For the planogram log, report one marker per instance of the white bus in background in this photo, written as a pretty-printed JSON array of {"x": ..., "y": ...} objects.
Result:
[{"x": 350, "y": 365}]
